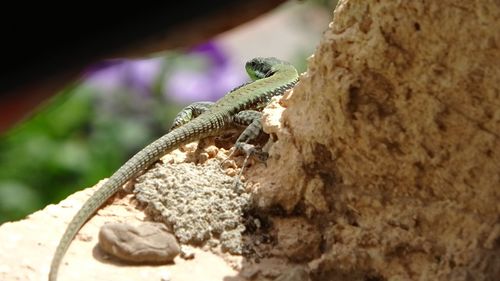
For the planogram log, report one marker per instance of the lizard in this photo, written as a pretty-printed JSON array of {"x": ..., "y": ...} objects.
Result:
[{"x": 240, "y": 107}]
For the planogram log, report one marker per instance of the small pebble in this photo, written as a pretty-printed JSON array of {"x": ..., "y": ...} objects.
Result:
[{"x": 146, "y": 243}]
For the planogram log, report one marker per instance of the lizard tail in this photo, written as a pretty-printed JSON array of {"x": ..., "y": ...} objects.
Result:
[{"x": 140, "y": 161}]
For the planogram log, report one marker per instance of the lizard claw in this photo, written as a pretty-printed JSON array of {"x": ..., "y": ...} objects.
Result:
[{"x": 251, "y": 150}]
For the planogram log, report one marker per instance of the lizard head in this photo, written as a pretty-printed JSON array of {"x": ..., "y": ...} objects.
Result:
[{"x": 259, "y": 68}]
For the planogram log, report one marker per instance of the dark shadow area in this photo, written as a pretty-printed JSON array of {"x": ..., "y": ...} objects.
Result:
[{"x": 44, "y": 48}]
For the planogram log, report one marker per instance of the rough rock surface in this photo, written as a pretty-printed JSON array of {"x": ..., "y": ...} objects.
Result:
[
  {"x": 148, "y": 242},
  {"x": 390, "y": 142},
  {"x": 297, "y": 239}
]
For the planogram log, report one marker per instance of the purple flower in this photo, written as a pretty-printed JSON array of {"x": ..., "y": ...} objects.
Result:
[
  {"x": 116, "y": 75},
  {"x": 228, "y": 77},
  {"x": 187, "y": 86},
  {"x": 212, "y": 51}
]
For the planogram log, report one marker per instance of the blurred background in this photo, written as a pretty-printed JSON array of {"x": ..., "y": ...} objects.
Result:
[{"x": 87, "y": 128}]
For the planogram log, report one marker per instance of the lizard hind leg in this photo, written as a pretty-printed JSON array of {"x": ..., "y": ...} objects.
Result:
[{"x": 190, "y": 112}]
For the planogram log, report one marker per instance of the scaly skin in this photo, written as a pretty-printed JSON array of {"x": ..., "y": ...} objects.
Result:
[{"x": 271, "y": 78}]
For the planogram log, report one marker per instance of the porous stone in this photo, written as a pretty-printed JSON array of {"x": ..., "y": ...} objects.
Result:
[{"x": 199, "y": 202}]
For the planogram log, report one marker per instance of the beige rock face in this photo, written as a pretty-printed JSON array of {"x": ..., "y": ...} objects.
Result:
[
  {"x": 297, "y": 239},
  {"x": 390, "y": 142}
]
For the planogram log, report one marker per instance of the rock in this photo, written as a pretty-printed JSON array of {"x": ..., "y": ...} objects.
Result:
[
  {"x": 147, "y": 243},
  {"x": 390, "y": 142},
  {"x": 297, "y": 238},
  {"x": 297, "y": 273}
]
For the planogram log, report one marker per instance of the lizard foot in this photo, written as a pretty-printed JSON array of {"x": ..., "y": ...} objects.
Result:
[{"x": 250, "y": 150}]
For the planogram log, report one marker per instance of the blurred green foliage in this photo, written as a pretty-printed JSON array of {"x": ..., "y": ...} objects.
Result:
[{"x": 67, "y": 145}]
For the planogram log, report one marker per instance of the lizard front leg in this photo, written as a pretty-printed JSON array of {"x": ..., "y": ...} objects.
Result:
[{"x": 252, "y": 120}]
